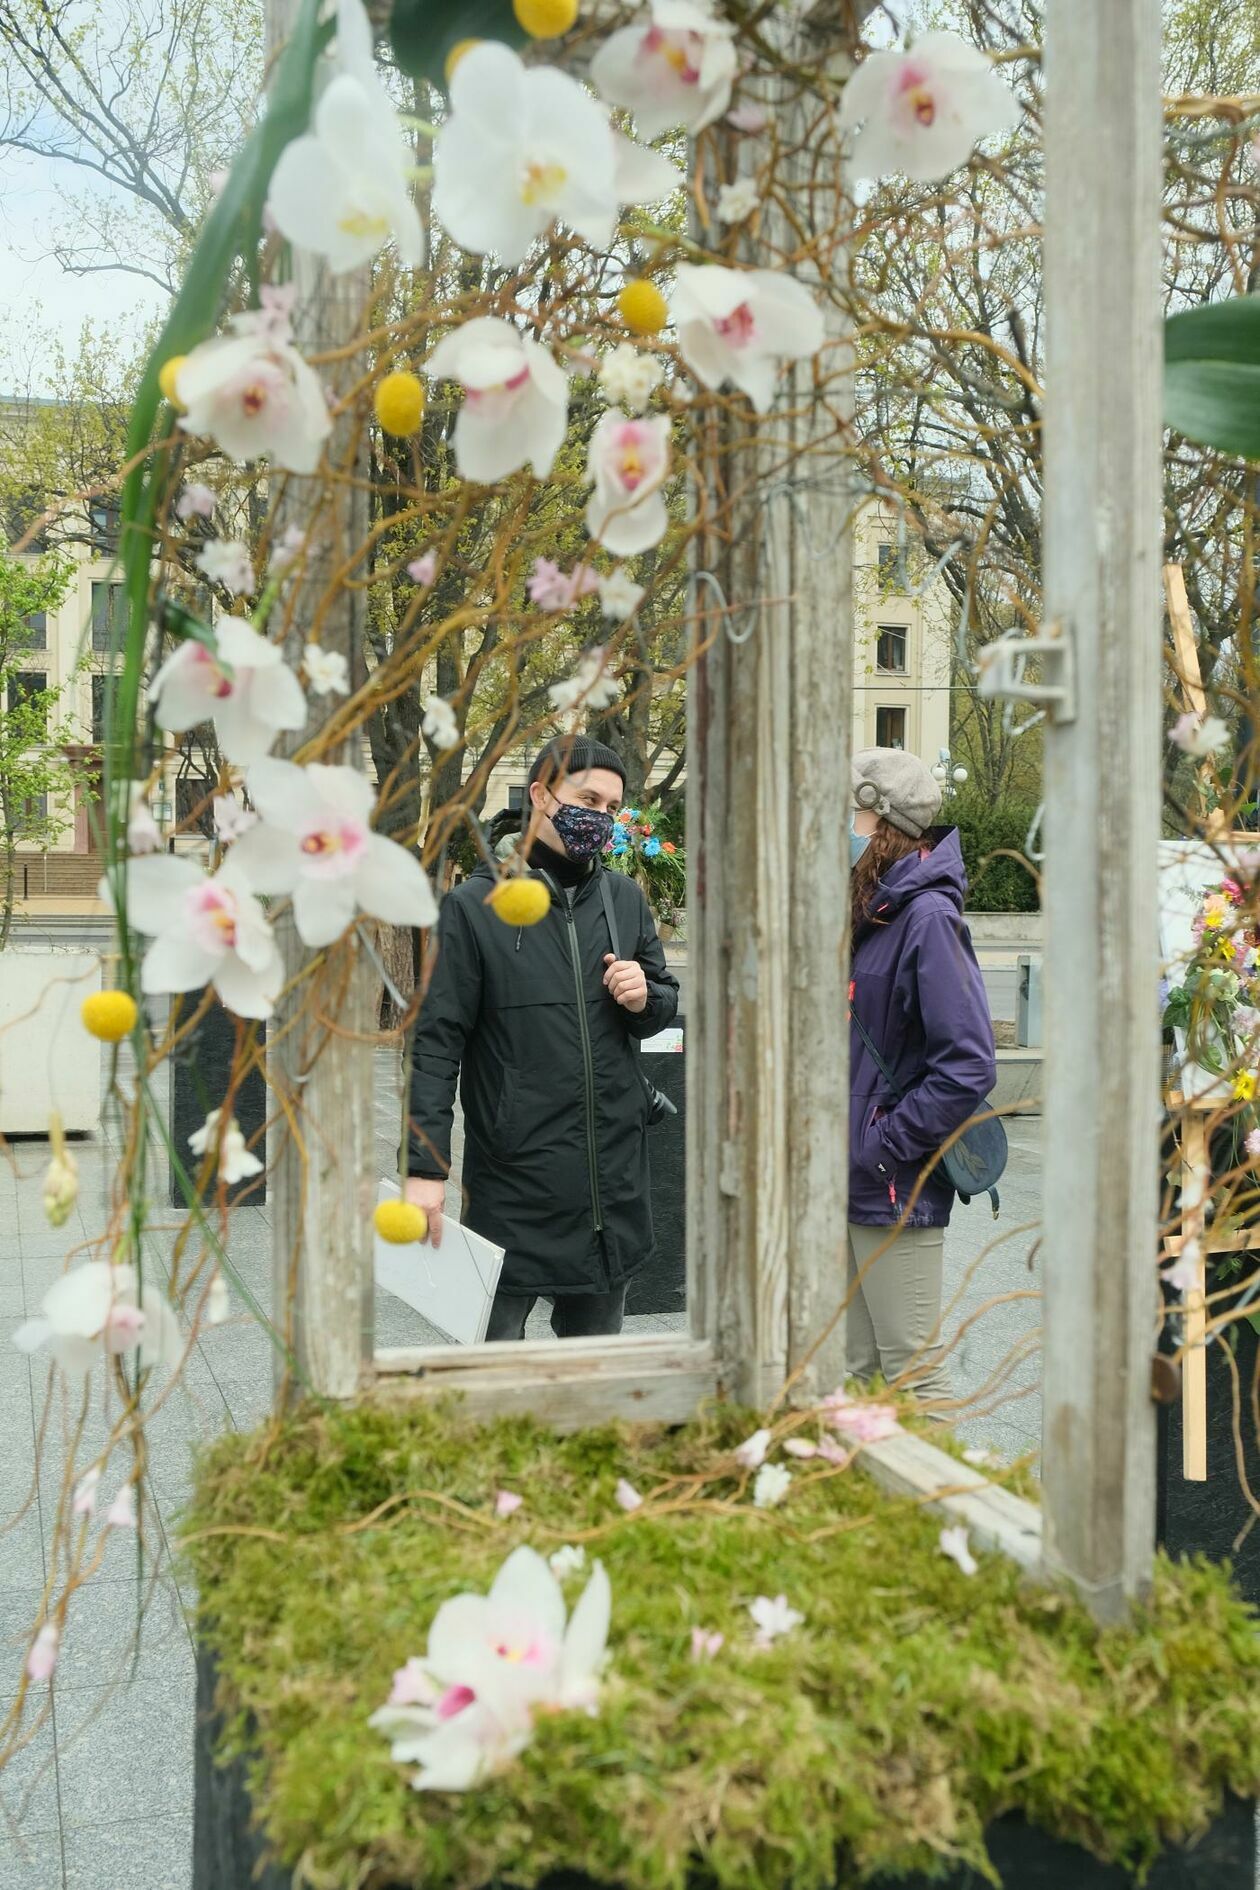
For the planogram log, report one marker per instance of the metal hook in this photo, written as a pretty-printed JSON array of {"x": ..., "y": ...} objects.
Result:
[
  {"x": 727, "y": 616},
  {"x": 1033, "y": 836}
]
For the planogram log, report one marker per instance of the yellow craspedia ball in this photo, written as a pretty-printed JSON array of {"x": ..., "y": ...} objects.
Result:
[
  {"x": 109, "y": 1015},
  {"x": 643, "y": 308},
  {"x": 520, "y": 901},
  {"x": 545, "y": 19},
  {"x": 166, "y": 379},
  {"x": 400, "y": 402},
  {"x": 456, "y": 53},
  {"x": 400, "y": 1222}
]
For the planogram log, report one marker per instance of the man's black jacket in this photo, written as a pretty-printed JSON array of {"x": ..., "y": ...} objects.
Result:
[{"x": 554, "y": 1097}]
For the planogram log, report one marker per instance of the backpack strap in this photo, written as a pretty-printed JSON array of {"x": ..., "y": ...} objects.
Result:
[
  {"x": 878, "y": 1061},
  {"x": 607, "y": 902}
]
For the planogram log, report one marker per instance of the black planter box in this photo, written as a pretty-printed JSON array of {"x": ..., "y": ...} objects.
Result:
[
  {"x": 199, "y": 1080},
  {"x": 227, "y": 1852},
  {"x": 661, "y": 1287},
  {"x": 1208, "y": 1518}
]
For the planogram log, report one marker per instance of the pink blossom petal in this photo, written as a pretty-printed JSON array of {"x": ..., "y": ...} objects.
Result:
[
  {"x": 506, "y": 1503},
  {"x": 627, "y": 1496},
  {"x": 43, "y": 1655}
]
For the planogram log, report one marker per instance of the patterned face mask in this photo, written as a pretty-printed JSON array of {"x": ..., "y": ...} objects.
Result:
[{"x": 583, "y": 831}]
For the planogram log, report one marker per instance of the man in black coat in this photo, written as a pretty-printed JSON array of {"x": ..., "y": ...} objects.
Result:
[{"x": 540, "y": 1025}]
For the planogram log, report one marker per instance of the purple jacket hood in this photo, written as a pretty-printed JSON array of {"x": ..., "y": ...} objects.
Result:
[{"x": 917, "y": 989}]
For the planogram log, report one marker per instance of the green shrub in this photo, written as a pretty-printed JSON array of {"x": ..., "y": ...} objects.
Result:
[{"x": 993, "y": 844}]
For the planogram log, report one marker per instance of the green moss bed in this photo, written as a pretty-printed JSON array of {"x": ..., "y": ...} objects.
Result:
[{"x": 913, "y": 1706}]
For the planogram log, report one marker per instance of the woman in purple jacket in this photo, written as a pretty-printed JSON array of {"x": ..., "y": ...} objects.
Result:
[{"x": 916, "y": 988}]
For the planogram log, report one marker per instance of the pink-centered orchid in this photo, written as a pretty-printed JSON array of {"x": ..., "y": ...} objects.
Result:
[
  {"x": 205, "y": 930},
  {"x": 516, "y": 400},
  {"x": 628, "y": 460},
  {"x": 97, "y": 1310},
  {"x": 739, "y": 325},
  {"x": 921, "y": 111},
  {"x": 241, "y": 683},
  {"x": 493, "y": 1662},
  {"x": 252, "y": 393},
  {"x": 677, "y": 70},
  {"x": 314, "y": 840}
]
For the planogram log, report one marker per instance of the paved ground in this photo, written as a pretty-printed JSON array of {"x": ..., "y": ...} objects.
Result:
[{"x": 101, "y": 1797}]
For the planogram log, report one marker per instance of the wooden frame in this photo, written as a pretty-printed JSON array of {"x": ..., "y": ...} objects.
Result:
[{"x": 768, "y": 785}]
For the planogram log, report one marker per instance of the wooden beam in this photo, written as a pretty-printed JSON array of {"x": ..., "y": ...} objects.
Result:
[
  {"x": 320, "y": 1054},
  {"x": 907, "y": 1465},
  {"x": 652, "y": 1379},
  {"x": 1103, "y": 784},
  {"x": 768, "y": 789},
  {"x": 1185, "y": 648}
]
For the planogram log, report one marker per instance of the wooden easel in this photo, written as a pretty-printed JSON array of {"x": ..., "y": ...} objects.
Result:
[{"x": 1193, "y": 1114}]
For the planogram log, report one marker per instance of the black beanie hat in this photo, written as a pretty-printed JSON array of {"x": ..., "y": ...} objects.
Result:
[{"x": 573, "y": 754}]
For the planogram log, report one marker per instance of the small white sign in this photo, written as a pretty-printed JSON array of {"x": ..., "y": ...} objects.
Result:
[{"x": 671, "y": 1039}]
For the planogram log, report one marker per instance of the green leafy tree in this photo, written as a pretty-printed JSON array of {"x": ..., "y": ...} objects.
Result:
[{"x": 35, "y": 778}]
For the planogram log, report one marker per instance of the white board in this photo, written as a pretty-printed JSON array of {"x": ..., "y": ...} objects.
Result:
[{"x": 454, "y": 1288}]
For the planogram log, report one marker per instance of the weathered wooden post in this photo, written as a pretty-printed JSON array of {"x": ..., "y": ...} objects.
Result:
[
  {"x": 320, "y": 1060},
  {"x": 1103, "y": 135},
  {"x": 768, "y": 783}
]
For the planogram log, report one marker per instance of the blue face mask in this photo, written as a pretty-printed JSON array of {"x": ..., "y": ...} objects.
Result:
[{"x": 858, "y": 842}]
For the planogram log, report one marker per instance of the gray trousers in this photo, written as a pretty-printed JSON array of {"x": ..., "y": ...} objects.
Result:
[{"x": 894, "y": 1315}]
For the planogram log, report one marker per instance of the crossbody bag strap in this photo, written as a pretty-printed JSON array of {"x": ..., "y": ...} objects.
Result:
[
  {"x": 606, "y": 899},
  {"x": 878, "y": 1061}
]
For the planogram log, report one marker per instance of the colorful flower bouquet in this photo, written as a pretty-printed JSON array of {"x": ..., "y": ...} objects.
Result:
[
  {"x": 1214, "y": 1011},
  {"x": 641, "y": 848}
]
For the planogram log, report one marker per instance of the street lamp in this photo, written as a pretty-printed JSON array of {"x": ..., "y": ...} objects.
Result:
[{"x": 948, "y": 776}]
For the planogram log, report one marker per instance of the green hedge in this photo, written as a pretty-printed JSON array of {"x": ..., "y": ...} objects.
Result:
[{"x": 990, "y": 835}]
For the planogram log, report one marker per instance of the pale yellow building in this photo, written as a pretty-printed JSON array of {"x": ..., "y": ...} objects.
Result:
[{"x": 903, "y": 655}]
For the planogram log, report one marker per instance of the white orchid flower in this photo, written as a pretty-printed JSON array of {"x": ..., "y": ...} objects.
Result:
[
  {"x": 242, "y": 684},
  {"x": 676, "y": 70},
  {"x": 737, "y": 201},
  {"x": 195, "y": 501},
  {"x": 773, "y": 1618},
  {"x": 143, "y": 835},
  {"x": 493, "y": 1661},
  {"x": 342, "y": 190},
  {"x": 327, "y": 671},
  {"x": 629, "y": 379},
  {"x": 619, "y": 595},
  {"x": 252, "y": 393},
  {"x": 526, "y": 146},
  {"x": 752, "y": 1452},
  {"x": 922, "y": 110},
  {"x": 227, "y": 561},
  {"x": 204, "y": 931},
  {"x": 231, "y": 819},
  {"x": 628, "y": 461},
  {"x": 1199, "y": 735},
  {"x": 589, "y": 687},
  {"x": 93, "y": 1311},
  {"x": 516, "y": 400},
  {"x": 440, "y": 724},
  {"x": 954, "y": 1544},
  {"x": 771, "y": 1485},
  {"x": 315, "y": 842},
  {"x": 234, "y": 1159},
  {"x": 738, "y": 325}
]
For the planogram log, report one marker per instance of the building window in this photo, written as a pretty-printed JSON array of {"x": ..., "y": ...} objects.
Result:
[
  {"x": 890, "y": 728},
  {"x": 99, "y": 686},
  {"x": 894, "y": 573},
  {"x": 105, "y": 515},
  {"x": 24, "y": 684},
  {"x": 516, "y": 799},
  {"x": 19, "y": 515},
  {"x": 890, "y": 650},
  {"x": 109, "y": 614},
  {"x": 32, "y": 816}
]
